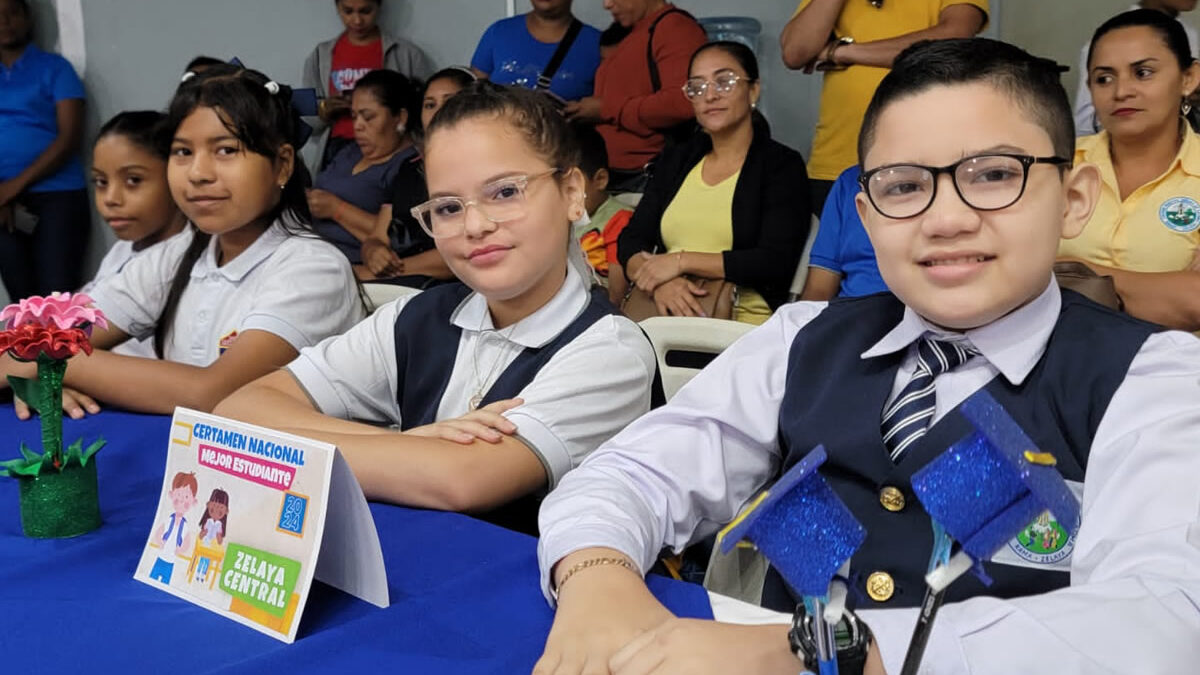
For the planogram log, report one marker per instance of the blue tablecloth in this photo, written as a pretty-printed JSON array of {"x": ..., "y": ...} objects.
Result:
[{"x": 464, "y": 593}]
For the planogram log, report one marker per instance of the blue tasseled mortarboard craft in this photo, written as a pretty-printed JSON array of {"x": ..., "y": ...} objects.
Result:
[
  {"x": 801, "y": 526},
  {"x": 990, "y": 485}
]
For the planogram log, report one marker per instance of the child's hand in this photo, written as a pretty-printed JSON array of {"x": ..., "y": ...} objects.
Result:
[
  {"x": 600, "y": 610},
  {"x": 677, "y": 297},
  {"x": 694, "y": 646},
  {"x": 75, "y": 403},
  {"x": 658, "y": 269},
  {"x": 486, "y": 423},
  {"x": 323, "y": 204}
]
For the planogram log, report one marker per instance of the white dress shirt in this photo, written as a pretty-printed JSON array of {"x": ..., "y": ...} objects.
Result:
[
  {"x": 119, "y": 255},
  {"x": 588, "y": 391},
  {"x": 298, "y": 288},
  {"x": 1133, "y": 605}
]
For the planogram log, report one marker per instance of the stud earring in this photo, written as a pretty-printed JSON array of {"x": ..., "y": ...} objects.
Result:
[
  {"x": 1185, "y": 107},
  {"x": 400, "y": 128}
]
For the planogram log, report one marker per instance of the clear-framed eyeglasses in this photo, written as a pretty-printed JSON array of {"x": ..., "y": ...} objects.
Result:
[
  {"x": 499, "y": 201},
  {"x": 722, "y": 83},
  {"x": 984, "y": 182}
]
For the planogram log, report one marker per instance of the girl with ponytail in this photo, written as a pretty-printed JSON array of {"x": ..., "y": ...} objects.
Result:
[{"x": 253, "y": 285}]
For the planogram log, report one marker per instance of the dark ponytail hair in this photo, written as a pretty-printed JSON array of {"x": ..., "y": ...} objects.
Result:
[
  {"x": 1171, "y": 31},
  {"x": 143, "y": 128},
  {"x": 530, "y": 112},
  {"x": 394, "y": 91},
  {"x": 258, "y": 112},
  {"x": 738, "y": 51},
  {"x": 460, "y": 75}
]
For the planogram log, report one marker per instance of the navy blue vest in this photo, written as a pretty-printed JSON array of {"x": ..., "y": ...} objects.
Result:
[
  {"x": 426, "y": 346},
  {"x": 1059, "y": 405}
]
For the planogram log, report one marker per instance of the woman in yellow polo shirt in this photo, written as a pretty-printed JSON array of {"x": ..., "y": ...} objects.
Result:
[
  {"x": 729, "y": 204},
  {"x": 1145, "y": 231}
]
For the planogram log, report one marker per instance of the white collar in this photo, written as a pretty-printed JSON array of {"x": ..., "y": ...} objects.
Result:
[
  {"x": 538, "y": 328},
  {"x": 239, "y": 267},
  {"x": 1013, "y": 343}
]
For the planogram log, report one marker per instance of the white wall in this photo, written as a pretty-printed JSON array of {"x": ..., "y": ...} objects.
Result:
[{"x": 136, "y": 49}]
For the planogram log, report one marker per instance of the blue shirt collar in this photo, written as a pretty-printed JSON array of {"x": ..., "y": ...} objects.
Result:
[{"x": 31, "y": 50}]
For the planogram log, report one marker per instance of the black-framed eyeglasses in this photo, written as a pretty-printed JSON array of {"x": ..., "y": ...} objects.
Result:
[
  {"x": 722, "y": 83},
  {"x": 984, "y": 182},
  {"x": 499, "y": 201}
]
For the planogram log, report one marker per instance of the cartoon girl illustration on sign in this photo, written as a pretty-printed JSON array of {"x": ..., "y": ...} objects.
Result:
[
  {"x": 213, "y": 527},
  {"x": 170, "y": 538}
]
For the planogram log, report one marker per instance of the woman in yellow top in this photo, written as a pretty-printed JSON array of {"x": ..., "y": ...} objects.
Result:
[
  {"x": 729, "y": 204},
  {"x": 1145, "y": 231}
]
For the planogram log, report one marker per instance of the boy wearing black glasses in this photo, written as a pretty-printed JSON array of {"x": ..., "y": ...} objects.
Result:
[{"x": 965, "y": 200}]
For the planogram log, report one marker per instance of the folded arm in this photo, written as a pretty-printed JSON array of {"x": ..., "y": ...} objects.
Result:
[
  {"x": 157, "y": 386},
  {"x": 955, "y": 21},
  {"x": 1170, "y": 299},
  {"x": 396, "y": 467}
]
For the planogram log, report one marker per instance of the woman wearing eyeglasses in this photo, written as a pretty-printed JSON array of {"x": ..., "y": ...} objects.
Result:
[
  {"x": 501, "y": 384},
  {"x": 1145, "y": 232},
  {"x": 731, "y": 204}
]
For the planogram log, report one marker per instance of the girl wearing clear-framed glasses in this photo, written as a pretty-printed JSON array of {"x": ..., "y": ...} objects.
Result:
[{"x": 497, "y": 386}]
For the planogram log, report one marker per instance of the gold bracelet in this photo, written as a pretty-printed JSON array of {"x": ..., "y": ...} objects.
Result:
[{"x": 591, "y": 562}]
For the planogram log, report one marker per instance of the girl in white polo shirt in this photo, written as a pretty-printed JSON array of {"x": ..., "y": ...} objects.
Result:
[
  {"x": 129, "y": 179},
  {"x": 501, "y": 384},
  {"x": 248, "y": 291}
]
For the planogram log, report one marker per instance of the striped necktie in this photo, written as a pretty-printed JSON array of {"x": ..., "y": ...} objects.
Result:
[{"x": 909, "y": 415}]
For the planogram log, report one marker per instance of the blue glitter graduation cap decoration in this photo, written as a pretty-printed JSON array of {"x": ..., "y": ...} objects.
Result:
[
  {"x": 992, "y": 484},
  {"x": 801, "y": 526}
]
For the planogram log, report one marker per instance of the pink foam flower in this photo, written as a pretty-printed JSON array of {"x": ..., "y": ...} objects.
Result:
[{"x": 62, "y": 310}]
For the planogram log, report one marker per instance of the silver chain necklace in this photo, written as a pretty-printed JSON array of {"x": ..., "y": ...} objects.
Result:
[{"x": 477, "y": 397}]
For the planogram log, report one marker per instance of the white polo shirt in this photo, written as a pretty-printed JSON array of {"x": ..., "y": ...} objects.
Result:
[
  {"x": 299, "y": 288},
  {"x": 585, "y": 393},
  {"x": 119, "y": 255}
]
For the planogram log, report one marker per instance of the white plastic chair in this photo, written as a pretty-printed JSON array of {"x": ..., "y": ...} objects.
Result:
[
  {"x": 801, "y": 274},
  {"x": 381, "y": 294},
  {"x": 692, "y": 334}
]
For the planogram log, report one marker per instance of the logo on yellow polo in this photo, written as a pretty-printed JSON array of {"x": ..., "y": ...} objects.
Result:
[{"x": 1181, "y": 214}]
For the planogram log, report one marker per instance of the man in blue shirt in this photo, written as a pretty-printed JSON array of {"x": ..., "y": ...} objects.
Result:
[
  {"x": 842, "y": 261},
  {"x": 517, "y": 50},
  {"x": 41, "y": 124}
]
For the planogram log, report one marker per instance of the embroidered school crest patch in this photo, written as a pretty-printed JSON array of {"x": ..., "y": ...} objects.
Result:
[
  {"x": 226, "y": 342},
  {"x": 1181, "y": 214},
  {"x": 1043, "y": 541}
]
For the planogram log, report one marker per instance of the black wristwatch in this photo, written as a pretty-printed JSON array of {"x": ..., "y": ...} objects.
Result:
[{"x": 852, "y": 635}]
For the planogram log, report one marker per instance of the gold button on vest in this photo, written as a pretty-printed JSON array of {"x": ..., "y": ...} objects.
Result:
[
  {"x": 880, "y": 586},
  {"x": 891, "y": 498}
]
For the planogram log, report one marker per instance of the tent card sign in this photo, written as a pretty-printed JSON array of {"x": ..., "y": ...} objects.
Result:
[{"x": 249, "y": 516}]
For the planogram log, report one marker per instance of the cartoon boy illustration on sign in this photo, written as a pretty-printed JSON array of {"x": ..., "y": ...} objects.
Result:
[{"x": 171, "y": 537}]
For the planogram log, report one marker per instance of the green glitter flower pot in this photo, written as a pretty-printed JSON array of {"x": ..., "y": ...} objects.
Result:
[{"x": 57, "y": 505}]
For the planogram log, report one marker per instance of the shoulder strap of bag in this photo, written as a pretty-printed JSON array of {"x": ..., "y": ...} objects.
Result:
[
  {"x": 560, "y": 54},
  {"x": 655, "y": 80}
]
